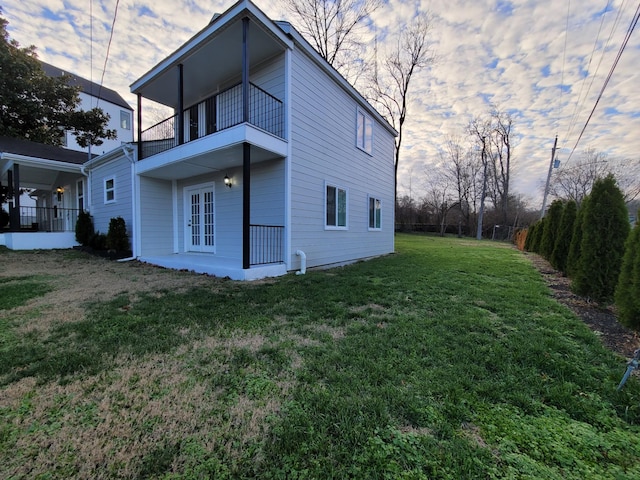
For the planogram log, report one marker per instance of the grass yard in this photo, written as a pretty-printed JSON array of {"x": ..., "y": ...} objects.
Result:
[{"x": 449, "y": 359}]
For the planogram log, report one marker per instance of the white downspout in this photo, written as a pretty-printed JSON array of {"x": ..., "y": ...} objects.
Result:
[
  {"x": 129, "y": 152},
  {"x": 303, "y": 262}
]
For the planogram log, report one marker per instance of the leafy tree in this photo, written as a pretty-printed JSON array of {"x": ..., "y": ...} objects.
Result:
[
  {"x": 627, "y": 295},
  {"x": 606, "y": 228},
  {"x": 551, "y": 227},
  {"x": 37, "y": 107},
  {"x": 563, "y": 240}
]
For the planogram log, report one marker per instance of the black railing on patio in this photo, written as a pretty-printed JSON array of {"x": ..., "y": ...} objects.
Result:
[
  {"x": 216, "y": 113},
  {"x": 49, "y": 219},
  {"x": 267, "y": 244}
]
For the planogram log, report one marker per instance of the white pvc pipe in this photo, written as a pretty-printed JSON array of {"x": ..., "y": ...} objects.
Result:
[{"x": 303, "y": 262}]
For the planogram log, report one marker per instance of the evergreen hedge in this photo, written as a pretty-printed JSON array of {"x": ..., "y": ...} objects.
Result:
[
  {"x": 551, "y": 227},
  {"x": 604, "y": 233},
  {"x": 563, "y": 239},
  {"x": 627, "y": 296}
]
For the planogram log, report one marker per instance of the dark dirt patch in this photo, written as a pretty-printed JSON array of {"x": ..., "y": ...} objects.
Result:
[{"x": 601, "y": 319}]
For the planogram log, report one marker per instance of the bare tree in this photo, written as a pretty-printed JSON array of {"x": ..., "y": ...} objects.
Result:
[
  {"x": 575, "y": 182},
  {"x": 502, "y": 125},
  {"x": 462, "y": 168},
  {"x": 334, "y": 28},
  {"x": 390, "y": 81}
]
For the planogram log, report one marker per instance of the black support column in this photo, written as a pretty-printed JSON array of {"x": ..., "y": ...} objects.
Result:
[
  {"x": 139, "y": 127},
  {"x": 246, "y": 205},
  {"x": 180, "y": 105},
  {"x": 245, "y": 69},
  {"x": 15, "y": 189},
  {"x": 246, "y": 152}
]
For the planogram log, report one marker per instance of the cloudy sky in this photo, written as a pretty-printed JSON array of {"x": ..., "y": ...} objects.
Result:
[{"x": 544, "y": 61}]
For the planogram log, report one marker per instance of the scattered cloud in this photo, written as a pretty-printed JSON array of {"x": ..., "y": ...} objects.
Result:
[{"x": 545, "y": 62}]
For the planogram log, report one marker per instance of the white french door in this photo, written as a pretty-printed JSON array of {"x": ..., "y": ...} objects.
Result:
[{"x": 200, "y": 218}]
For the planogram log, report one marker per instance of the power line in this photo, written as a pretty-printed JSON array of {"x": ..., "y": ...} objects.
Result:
[
  {"x": 632, "y": 26},
  {"x": 106, "y": 57},
  {"x": 579, "y": 105}
]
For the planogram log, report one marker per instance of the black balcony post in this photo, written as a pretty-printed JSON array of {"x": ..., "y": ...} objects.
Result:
[
  {"x": 246, "y": 205},
  {"x": 180, "y": 105},
  {"x": 139, "y": 127},
  {"x": 15, "y": 187},
  {"x": 245, "y": 69}
]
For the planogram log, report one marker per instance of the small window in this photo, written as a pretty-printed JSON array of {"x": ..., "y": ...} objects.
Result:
[
  {"x": 336, "y": 207},
  {"x": 364, "y": 132},
  {"x": 125, "y": 120},
  {"x": 375, "y": 214},
  {"x": 109, "y": 190}
]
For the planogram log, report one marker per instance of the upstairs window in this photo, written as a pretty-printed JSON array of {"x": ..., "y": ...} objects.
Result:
[
  {"x": 336, "y": 208},
  {"x": 125, "y": 120},
  {"x": 109, "y": 190},
  {"x": 364, "y": 132},
  {"x": 375, "y": 214}
]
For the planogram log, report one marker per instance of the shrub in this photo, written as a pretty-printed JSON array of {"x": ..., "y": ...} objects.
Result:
[
  {"x": 4, "y": 218},
  {"x": 627, "y": 295},
  {"x": 551, "y": 227},
  {"x": 520, "y": 238},
  {"x": 117, "y": 238},
  {"x": 98, "y": 241},
  {"x": 84, "y": 228},
  {"x": 563, "y": 239},
  {"x": 605, "y": 231}
]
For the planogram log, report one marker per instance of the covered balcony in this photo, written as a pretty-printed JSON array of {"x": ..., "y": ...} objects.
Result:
[{"x": 231, "y": 73}]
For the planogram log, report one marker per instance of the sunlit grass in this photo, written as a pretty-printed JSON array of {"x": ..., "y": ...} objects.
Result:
[{"x": 448, "y": 359}]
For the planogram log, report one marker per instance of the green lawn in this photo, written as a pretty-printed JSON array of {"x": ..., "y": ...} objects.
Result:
[{"x": 448, "y": 359}]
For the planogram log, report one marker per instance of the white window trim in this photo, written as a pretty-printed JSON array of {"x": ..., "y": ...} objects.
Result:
[
  {"x": 346, "y": 190},
  {"x": 113, "y": 179},
  {"x": 374, "y": 228},
  {"x": 361, "y": 143},
  {"x": 128, "y": 114}
]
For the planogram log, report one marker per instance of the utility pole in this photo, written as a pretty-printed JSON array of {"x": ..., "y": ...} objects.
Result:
[
  {"x": 484, "y": 190},
  {"x": 546, "y": 188}
]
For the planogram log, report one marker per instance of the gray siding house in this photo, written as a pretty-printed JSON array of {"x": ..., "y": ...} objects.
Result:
[{"x": 272, "y": 161}]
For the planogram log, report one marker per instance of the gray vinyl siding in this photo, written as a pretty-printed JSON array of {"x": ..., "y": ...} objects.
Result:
[
  {"x": 156, "y": 217},
  {"x": 267, "y": 204},
  {"x": 323, "y": 138},
  {"x": 270, "y": 76},
  {"x": 120, "y": 170}
]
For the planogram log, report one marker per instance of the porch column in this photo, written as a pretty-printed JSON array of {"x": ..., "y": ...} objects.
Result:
[
  {"x": 246, "y": 205},
  {"x": 14, "y": 187},
  {"x": 139, "y": 126},
  {"x": 180, "y": 105},
  {"x": 245, "y": 69}
]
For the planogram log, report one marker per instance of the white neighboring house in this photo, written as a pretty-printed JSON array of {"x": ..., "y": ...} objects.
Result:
[
  {"x": 56, "y": 176},
  {"x": 93, "y": 95},
  {"x": 272, "y": 161}
]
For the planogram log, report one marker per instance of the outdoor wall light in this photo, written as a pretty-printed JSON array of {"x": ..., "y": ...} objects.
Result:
[{"x": 227, "y": 181}]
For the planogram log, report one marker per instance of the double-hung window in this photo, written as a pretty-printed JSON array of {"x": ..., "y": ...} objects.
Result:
[
  {"x": 335, "y": 207},
  {"x": 375, "y": 213},
  {"x": 364, "y": 132},
  {"x": 109, "y": 190},
  {"x": 125, "y": 120}
]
